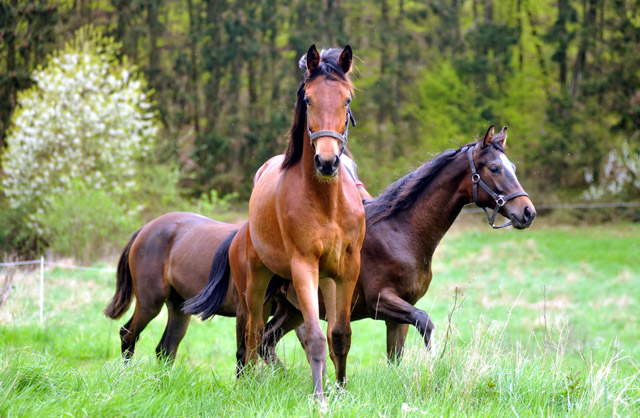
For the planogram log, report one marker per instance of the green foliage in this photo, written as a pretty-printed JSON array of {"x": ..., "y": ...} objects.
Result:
[
  {"x": 445, "y": 108},
  {"x": 563, "y": 75},
  {"x": 85, "y": 223},
  {"x": 85, "y": 123},
  {"x": 13, "y": 236}
]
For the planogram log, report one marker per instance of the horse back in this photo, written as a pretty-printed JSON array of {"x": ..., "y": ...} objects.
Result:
[{"x": 175, "y": 251}]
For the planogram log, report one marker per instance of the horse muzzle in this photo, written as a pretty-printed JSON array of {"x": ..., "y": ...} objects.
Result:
[
  {"x": 327, "y": 167},
  {"x": 523, "y": 220}
]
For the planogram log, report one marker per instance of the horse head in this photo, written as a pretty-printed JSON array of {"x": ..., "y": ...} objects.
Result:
[
  {"x": 495, "y": 184},
  {"x": 327, "y": 95}
]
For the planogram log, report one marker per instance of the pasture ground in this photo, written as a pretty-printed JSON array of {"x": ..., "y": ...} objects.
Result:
[{"x": 547, "y": 322}]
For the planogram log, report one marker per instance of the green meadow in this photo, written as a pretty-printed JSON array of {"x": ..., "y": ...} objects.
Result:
[{"x": 541, "y": 322}]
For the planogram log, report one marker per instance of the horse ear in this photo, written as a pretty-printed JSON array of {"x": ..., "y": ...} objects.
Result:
[
  {"x": 488, "y": 137},
  {"x": 501, "y": 137},
  {"x": 313, "y": 59},
  {"x": 346, "y": 57}
]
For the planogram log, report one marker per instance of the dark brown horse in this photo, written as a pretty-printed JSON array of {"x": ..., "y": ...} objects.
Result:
[
  {"x": 404, "y": 227},
  {"x": 166, "y": 262},
  {"x": 306, "y": 221}
]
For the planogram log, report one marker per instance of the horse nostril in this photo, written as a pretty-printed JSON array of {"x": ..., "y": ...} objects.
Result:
[
  {"x": 317, "y": 162},
  {"x": 528, "y": 214},
  {"x": 335, "y": 163}
]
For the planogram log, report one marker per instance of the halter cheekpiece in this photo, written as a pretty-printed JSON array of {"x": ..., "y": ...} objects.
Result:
[
  {"x": 343, "y": 138},
  {"x": 500, "y": 199}
]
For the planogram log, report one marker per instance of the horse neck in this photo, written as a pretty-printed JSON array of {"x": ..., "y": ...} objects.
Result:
[{"x": 438, "y": 206}]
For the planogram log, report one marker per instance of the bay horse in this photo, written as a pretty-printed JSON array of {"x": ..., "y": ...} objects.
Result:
[
  {"x": 306, "y": 222},
  {"x": 166, "y": 262},
  {"x": 405, "y": 225}
]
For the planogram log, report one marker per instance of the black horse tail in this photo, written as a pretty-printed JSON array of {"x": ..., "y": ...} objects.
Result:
[
  {"x": 207, "y": 303},
  {"x": 121, "y": 301}
]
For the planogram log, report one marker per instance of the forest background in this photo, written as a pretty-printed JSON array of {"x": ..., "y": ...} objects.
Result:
[{"x": 564, "y": 75}]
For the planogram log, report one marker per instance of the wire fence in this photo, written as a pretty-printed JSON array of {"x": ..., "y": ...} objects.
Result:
[
  {"x": 44, "y": 263},
  {"x": 469, "y": 209},
  {"x": 583, "y": 205}
]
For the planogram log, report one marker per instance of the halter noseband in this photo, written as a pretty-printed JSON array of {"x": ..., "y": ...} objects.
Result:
[
  {"x": 500, "y": 199},
  {"x": 340, "y": 137}
]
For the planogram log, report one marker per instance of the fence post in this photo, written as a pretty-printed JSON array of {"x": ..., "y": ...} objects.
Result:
[{"x": 41, "y": 289}]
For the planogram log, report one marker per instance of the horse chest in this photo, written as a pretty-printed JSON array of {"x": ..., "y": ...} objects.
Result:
[{"x": 332, "y": 247}]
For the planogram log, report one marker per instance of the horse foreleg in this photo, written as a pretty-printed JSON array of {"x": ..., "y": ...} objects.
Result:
[
  {"x": 305, "y": 283},
  {"x": 340, "y": 331}
]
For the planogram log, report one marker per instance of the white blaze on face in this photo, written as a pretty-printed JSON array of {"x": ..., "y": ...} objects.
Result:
[{"x": 508, "y": 166}]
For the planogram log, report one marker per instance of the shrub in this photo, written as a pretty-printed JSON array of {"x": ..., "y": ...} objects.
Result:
[
  {"x": 85, "y": 222},
  {"x": 83, "y": 130},
  {"x": 86, "y": 117}
]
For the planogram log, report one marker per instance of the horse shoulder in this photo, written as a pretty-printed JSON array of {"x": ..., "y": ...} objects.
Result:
[
  {"x": 272, "y": 164},
  {"x": 386, "y": 262}
]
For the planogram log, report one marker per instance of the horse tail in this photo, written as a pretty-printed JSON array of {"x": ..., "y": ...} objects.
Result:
[
  {"x": 274, "y": 286},
  {"x": 207, "y": 303},
  {"x": 124, "y": 284}
]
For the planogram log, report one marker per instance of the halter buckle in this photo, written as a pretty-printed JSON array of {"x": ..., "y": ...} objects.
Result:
[
  {"x": 500, "y": 201},
  {"x": 475, "y": 178}
]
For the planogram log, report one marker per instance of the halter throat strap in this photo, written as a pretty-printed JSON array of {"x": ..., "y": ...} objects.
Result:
[
  {"x": 500, "y": 199},
  {"x": 343, "y": 138}
]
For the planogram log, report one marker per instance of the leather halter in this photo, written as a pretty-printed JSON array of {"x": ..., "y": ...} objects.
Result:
[
  {"x": 500, "y": 199},
  {"x": 340, "y": 137}
]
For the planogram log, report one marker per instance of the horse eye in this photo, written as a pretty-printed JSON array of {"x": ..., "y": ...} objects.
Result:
[
  {"x": 307, "y": 101},
  {"x": 348, "y": 101},
  {"x": 494, "y": 169}
]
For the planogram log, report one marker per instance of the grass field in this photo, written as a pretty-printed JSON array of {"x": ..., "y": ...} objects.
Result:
[{"x": 547, "y": 322}]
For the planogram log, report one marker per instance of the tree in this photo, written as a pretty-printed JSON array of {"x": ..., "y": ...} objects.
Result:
[
  {"x": 27, "y": 32},
  {"x": 85, "y": 119}
]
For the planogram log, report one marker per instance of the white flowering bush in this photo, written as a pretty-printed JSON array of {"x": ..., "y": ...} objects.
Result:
[
  {"x": 620, "y": 175},
  {"x": 87, "y": 120}
]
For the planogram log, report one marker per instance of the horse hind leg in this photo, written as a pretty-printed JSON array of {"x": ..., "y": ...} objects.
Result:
[
  {"x": 130, "y": 332},
  {"x": 285, "y": 319},
  {"x": 396, "y": 337},
  {"x": 174, "y": 332},
  {"x": 391, "y": 308}
]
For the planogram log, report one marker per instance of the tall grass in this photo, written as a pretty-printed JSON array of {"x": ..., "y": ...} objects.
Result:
[
  {"x": 540, "y": 332},
  {"x": 489, "y": 375}
]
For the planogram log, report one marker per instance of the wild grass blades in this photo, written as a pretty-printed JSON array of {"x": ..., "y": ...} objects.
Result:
[
  {"x": 487, "y": 374},
  {"x": 500, "y": 360}
]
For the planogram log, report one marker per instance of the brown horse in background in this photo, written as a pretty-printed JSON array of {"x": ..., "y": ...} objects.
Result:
[
  {"x": 168, "y": 261},
  {"x": 404, "y": 227},
  {"x": 306, "y": 221}
]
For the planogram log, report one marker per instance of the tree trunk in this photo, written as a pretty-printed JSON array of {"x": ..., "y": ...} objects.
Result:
[
  {"x": 155, "y": 29},
  {"x": 588, "y": 30},
  {"x": 212, "y": 100},
  {"x": 539, "y": 52},
  {"x": 563, "y": 44},
  {"x": 194, "y": 34},
  {"x": 383, "y": 102}
]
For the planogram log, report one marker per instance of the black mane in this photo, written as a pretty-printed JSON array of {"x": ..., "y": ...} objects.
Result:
[
  {"x": 403, "y": 193},
  {"x": 329, "y": 68}
]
